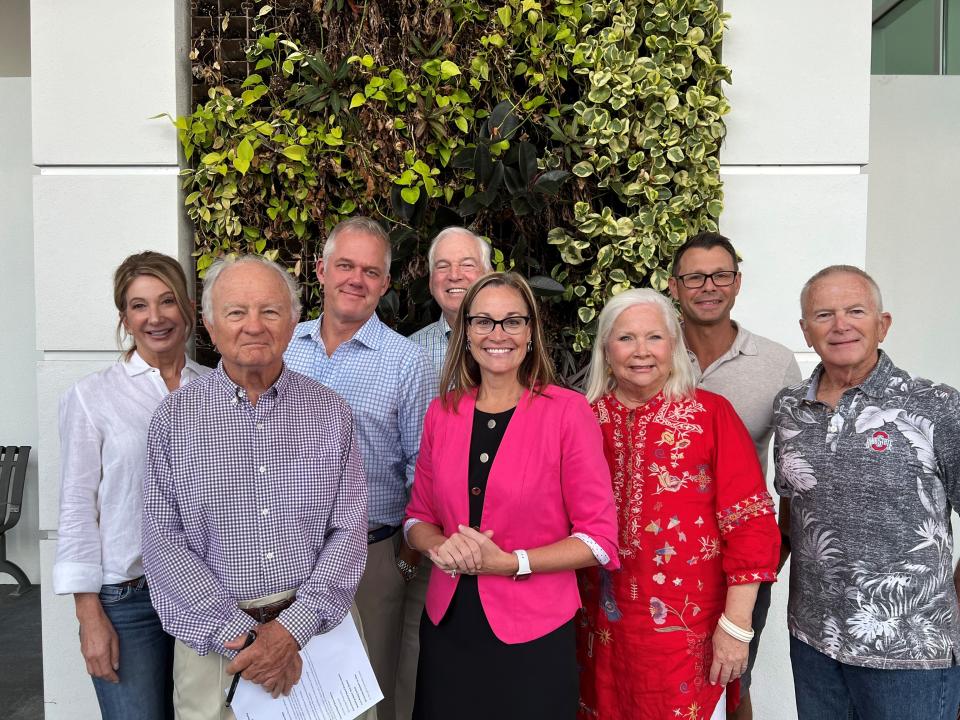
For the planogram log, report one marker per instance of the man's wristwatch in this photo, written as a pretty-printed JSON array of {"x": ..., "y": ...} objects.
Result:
[
  {"x": 523, "y": 565},
  {"x": 408, "y": 571}
]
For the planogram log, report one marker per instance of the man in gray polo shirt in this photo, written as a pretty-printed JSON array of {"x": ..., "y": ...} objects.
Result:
[
  {"x": 747, "y": 369},
  {"x": 868, "y": 468}
]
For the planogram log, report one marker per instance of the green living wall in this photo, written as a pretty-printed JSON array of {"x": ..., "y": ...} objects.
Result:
[{"x": 580, "y": 137}]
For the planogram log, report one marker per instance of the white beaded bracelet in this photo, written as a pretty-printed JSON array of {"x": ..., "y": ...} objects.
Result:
[{"x": 734, "y": 631}]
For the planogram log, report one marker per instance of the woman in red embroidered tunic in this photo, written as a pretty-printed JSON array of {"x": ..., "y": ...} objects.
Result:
[{"x": 697, "y": 533}]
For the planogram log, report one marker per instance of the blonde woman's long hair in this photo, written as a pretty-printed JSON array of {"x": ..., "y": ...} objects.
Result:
[{"x": 600, "y": 381}]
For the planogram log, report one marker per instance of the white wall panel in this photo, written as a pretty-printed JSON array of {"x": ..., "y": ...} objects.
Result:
[
  {"x": 18, "y": 354},
  {"x": 84, "y": 226},
  {"x": 913, "y": 249},
  {"x": 67, "y": 691},
  {"x": 801, "y": 82},
  {"x": 786, "y": 227},
  {"x": 101, "y": 68},
  {"x": 53, "y": 378}
]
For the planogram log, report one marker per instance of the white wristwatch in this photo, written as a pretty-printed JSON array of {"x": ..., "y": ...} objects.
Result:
[{"x": 523, "y": 565}]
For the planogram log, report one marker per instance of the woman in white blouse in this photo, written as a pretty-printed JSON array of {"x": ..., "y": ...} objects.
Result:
[{"x": 103, "y": 441}]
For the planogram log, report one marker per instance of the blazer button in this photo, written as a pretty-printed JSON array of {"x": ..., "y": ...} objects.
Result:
[{"x": 475, "y": 491}]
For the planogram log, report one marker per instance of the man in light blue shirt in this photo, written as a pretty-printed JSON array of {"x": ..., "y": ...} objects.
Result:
[
  {"x": 456, "y": 258},
  {"x": 388, "y": 382}
]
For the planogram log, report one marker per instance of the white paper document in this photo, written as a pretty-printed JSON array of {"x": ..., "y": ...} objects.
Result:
[{"x": 337, "y": 683}]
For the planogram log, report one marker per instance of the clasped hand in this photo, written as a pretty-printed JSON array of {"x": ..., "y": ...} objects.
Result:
[
  {"x": 471, "y": 552},
  {"x": 272, "y": 660}
]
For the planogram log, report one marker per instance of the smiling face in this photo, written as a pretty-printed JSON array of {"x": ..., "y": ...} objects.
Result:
[
  {"x": 498, "y": 353},
  {"x": 707, "y": 305},
  {"x": 252, "y": 320},
  {"x": 153, "y": 318},
  {"x": 456, "y": 264},
  {"x": 842, "y": 323},
  {"x": 639, "y": 351},
  {"x": 354, "y": 277}
]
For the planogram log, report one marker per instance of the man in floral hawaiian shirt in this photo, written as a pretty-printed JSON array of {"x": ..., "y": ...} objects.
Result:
[{"x": 868, "y": 467}]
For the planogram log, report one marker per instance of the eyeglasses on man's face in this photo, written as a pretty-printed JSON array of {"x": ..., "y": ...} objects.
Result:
[
  {"x": 483, "y": 325},
  {"x": 723, "y": 278}
]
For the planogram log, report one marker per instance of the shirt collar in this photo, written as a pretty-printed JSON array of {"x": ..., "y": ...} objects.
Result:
[
  {"x": 136, "y": 365},
  {"x": 444, "y": 326},
  {"x": 744, "y": 343},
  {"x": 231, "y": 388},
  {"x": 876, "y": 382},
  {"x": 370, "y": 333}
]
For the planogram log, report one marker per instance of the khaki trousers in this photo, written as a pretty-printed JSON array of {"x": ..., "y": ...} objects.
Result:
[
  {"x": 200, "y": 682},
  {"x": 414, "y": 600},
  {"x": 380, "y": 602},
  {"x": 390, "y": 609}
]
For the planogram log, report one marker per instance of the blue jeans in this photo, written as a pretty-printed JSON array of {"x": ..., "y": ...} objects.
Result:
[
  {"x": 145, "y": 690},
  {"x": 830, "y": 690}
]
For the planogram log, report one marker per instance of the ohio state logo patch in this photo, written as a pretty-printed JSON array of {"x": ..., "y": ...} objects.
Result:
[{"x": 879, "y": 442}]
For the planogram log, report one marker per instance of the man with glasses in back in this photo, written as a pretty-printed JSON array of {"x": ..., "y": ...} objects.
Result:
[{"x": 747, "y": 369}]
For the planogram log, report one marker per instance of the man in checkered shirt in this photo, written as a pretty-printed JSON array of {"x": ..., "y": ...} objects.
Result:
[{"x": 255, "y": 503}]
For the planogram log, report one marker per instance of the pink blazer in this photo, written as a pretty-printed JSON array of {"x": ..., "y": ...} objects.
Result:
[{"x": 548, "y": 480}]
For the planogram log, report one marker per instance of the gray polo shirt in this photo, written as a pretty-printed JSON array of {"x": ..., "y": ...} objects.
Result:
[
  {"x": 871, "y": 483},
  {"x": 749, "y": 375}
]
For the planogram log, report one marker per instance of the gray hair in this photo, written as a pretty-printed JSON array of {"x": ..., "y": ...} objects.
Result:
[
  {"x": 680, "y": 383},
  {"x": 838, "y": 270},
  {"x": 482, "y": 246},
  {"x": 359, "y": 224},
  {"x": 216, "y": 270}
]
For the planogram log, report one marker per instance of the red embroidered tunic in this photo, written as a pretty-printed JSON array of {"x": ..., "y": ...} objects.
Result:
[{"x": 694, "y": 516}]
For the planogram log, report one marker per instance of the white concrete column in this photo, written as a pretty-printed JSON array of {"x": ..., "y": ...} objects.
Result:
[
  {"x": 18, "y": 355},
  {"x": 106, "y": 186},
  {"x": 795, "y": 196}
]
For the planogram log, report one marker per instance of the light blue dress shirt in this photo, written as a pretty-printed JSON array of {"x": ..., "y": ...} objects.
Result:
[
  {"x": 434, "y": 338},
  {"x": 388, "y": 382}
]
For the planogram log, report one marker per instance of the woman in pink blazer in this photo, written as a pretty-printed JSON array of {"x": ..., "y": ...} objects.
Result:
[{"x": 511, "y": 495}]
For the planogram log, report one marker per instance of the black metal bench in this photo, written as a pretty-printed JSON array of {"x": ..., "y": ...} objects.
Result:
[{"x": 13, "y": 475}]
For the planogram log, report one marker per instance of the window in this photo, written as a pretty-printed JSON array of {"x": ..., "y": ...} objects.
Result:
[{"x": 916, "y": 37}]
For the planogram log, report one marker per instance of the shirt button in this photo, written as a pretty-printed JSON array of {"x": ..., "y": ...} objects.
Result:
[
  {"x": 491, "y": 423},
  {"x": 259, "y": 426},
  {"x": 475, "y": 491},
  {"x": 269, "y": 556},
  {"x": 263, "y": 469},
  {"x": 484, "y": 457},
  {"x": 265, "y": 511}
]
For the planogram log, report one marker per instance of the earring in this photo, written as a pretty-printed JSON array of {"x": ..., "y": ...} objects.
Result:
[
  {"x": 468, "y": 344},
  {"x": 529, "y": 345}
]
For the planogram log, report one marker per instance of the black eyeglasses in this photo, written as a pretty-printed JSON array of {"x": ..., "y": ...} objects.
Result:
[
  {"x": 483, "y": 325},
  {"x": 724, "y": 278}
]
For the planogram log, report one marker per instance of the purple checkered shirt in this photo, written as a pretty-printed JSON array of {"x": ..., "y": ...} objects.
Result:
[{"x": 243, "y": 501}]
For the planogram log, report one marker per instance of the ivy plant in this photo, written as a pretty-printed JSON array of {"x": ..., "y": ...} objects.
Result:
[{"x": 581, "y": 137}]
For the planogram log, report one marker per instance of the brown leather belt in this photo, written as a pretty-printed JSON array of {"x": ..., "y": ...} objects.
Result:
[
  {"x": 268, "y": 612},
  {"x": 139, "y": 582}
]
